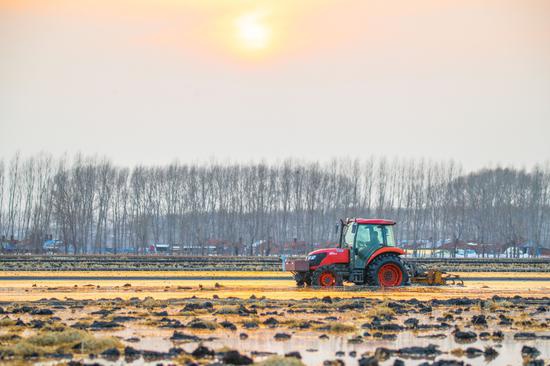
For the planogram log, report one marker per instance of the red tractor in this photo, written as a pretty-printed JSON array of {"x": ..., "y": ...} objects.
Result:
[{"x": 366, "y": 255}]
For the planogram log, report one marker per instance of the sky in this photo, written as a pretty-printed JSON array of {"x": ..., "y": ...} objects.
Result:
[{"x": 149, "y": 82}]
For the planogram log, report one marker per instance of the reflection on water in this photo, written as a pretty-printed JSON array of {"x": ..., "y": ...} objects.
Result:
[{"x": 314, "y": 350}]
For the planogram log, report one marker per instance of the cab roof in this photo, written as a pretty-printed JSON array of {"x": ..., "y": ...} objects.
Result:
[{"x": 372, "y": 221}]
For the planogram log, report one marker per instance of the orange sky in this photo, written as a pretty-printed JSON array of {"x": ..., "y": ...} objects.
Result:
[{"x": 305, "y": 27}]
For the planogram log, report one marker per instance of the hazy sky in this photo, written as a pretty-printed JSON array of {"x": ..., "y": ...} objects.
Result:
[{"x": 151, "y": 81}]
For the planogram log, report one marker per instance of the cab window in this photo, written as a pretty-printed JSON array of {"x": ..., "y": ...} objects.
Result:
[
  {"x": 374, "y": 235},
  {"x": 349, "y": 235},
  {"x": 363, "y": 236},
  {"x": 386, "y": 234}
]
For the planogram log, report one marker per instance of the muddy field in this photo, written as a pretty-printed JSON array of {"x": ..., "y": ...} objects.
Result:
[{"x": 271, "y": 322}]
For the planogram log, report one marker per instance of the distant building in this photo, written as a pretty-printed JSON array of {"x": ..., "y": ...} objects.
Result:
[
  {"x": 159, "y": 248},
  {"x": 53, "y": 246},
  {"x": 8, "y": 246}
]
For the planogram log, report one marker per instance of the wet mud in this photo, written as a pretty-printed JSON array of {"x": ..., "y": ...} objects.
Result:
[{"x": 325, "y": 329}]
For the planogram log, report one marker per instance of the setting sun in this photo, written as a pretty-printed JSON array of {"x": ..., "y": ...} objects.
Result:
[{"x": 252, "y": 31}]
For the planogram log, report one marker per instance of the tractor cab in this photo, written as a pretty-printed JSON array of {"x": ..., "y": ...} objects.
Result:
[{"x": 363, "y": 237}]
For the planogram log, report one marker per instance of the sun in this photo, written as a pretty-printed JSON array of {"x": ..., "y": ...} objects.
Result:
[{"x": 252, "y": 31}]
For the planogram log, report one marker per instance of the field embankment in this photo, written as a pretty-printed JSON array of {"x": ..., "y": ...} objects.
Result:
[{"x": 241, "y": 263}]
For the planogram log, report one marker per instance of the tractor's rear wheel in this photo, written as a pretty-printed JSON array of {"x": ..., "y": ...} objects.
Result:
[
  {"x": 387, "y": 270},
  {"x": 326, "y": 276}
]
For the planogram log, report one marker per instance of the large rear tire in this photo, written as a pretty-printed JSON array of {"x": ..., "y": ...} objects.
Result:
[
  {"x": 387, "y": 270},
  {"x": 326, "y": 276}
]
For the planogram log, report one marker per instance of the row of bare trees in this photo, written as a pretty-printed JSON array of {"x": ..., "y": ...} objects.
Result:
[{"x": 90, "y": 204}]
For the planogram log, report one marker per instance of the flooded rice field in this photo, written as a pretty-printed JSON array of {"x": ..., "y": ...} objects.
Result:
[{"x": 270, "y": 322}]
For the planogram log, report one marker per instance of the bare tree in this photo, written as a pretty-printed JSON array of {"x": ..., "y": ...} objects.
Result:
[{"x": 92, "y": 205}]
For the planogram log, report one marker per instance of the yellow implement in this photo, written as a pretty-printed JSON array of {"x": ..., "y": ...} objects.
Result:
[{"x": 437, "y": 278}]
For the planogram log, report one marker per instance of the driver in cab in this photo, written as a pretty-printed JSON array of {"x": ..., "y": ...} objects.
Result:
[{"x": 366, "y": 238}]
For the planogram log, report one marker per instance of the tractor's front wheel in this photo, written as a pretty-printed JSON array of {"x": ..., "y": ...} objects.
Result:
[
  {"x": 302, "y": 278},
  {"x": 387, "y": 270},
  {"x": 326, "y": 276}
]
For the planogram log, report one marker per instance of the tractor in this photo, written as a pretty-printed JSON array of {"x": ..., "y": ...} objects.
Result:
[{"x": 366, "y": 255}]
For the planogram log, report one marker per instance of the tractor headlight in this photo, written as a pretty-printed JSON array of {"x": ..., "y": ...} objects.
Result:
[{"x": 316, "y": 259}]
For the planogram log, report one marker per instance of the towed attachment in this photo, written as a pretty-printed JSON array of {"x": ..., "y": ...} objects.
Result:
[{"x": 437, "y": 278}]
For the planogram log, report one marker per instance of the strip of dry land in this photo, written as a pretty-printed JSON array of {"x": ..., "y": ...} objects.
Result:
[
  {"x": 226, "y": 274},
  {"x": 124, "y": 286}
]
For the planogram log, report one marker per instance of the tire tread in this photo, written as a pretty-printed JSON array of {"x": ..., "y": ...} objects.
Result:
[{"x": 371, "y": 273}]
